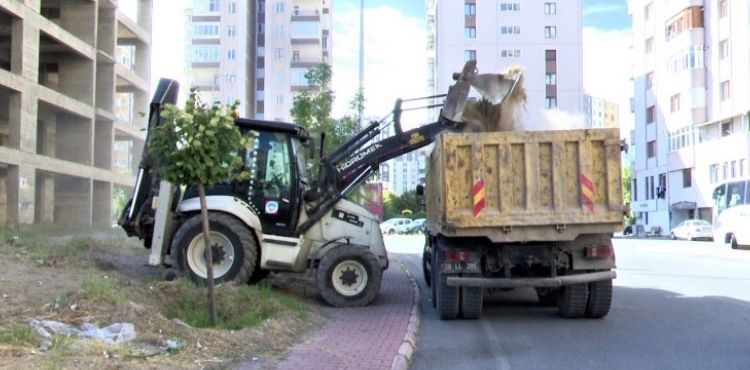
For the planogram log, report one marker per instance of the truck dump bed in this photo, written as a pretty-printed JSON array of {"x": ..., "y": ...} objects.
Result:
[{"x": 525, "y": 186}]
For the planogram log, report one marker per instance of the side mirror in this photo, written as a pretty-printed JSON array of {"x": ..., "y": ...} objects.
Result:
[{"x": 420, "y": 190}]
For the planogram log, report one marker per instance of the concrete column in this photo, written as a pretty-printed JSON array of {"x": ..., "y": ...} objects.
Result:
[
  {"x": 3, "y": 195},
  {"x": 21, "y": 184},
  {"x": 141, "y": 101},
  {"x": 145, "y": 14},
  {"x": 72, "y": 200},
  {"x": 103, "y": 139},
  {"x": 106, "y": 26},
  {"x": 45, "y": 199},
  {"x": 26, "y": 47},
  {"x": 102, "y": 206}
]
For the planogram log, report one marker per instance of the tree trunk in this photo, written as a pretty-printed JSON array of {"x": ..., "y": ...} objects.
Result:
[{"x": 208, "y": 255}]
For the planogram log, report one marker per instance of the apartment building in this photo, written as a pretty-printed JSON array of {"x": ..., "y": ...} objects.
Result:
[
  {"x": 73, "y": 75},
  {"x": 691, "y": 105},
  {"x": 543, "y": 37},
  {"x": 257, "y": 51},
  {"x": 600, "y": 113},
  {"x": 404, "y": 172}
]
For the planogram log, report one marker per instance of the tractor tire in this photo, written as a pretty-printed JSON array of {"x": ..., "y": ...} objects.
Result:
[
  {"x": 235, "y": 252},
  {"x": 425, "y": 270},
  {"x": 547, "y": 297},
  {"x": 471, "y": 302},
  {"x": 600, "y": 299},
  {"x": 446, "y": 296},
  {"x": 349, "y": 276},
  {"x": 433, "y": 275},
  {"x": 571, "y": 300}
]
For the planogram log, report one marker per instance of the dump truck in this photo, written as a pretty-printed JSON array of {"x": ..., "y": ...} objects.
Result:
[{"x": 523, "y": 209}]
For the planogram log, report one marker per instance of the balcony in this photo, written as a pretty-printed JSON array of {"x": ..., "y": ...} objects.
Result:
[
  {"x": 305, "y": 61},
  {"x": 305, "y": 15}
]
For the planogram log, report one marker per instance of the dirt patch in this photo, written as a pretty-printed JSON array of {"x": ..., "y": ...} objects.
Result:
[{"x": 104, "y": 280}]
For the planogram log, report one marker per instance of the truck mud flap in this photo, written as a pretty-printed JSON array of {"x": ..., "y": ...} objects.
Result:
[{"x": 553, "y": 282}]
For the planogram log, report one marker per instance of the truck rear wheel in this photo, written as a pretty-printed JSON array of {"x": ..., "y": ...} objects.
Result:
[
  {"x": 471, "y": 301},
  {"x": 349, "y": 276},
  {"x": 447, "y": 296},
  {"x": 600, "y": 299},
  {"x": 571, "y": 301},
  {"x": 233, "y": 249}
]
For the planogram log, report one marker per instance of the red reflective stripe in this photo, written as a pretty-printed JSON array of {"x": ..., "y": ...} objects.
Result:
[
  {"x": 599, "y": 252},
  {"x": 479, "y": 202},
  {"x": 458, "y": 256},
  {"x": 586, "y": 182},
  {"x": 588, "y": 203}
]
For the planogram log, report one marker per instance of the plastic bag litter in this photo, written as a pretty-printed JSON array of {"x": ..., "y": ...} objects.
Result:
[{"x": 114, "y": 334}]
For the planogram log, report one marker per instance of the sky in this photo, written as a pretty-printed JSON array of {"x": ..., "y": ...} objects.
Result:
[{"x": 395, "y": 52}]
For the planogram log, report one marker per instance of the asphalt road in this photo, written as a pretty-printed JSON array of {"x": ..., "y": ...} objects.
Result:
[{"x": 676, "y": 305}]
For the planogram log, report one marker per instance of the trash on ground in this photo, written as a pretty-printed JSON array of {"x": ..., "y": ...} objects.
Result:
[{"x": 114, "y": 334}]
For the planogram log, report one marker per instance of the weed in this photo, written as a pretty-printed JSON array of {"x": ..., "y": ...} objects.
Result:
[
  {"x": 20, "y": 335},
  {"x": 104, "y": 289},
  {"x": 237, "y": 307}
]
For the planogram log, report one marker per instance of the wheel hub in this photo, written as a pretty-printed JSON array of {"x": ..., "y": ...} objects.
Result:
[
  {"x": 217, "y": 253},
  {"x": 349, "y": 277}
]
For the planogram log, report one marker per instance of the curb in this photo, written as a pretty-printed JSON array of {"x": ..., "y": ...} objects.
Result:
[{"x": 409, "y": 344}]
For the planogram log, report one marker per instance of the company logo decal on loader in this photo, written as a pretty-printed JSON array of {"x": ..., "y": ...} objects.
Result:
[
  {"x": 478, "y": 194},
  {"x": 587, "y": 193}
]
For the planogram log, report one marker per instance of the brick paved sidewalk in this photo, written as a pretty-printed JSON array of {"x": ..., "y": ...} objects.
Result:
[{"x": 363, "y": 337}]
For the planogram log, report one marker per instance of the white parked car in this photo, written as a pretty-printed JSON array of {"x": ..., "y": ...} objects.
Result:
[
  {"x": 693, "y": 230},
  {"x": 393, "y": 225}
]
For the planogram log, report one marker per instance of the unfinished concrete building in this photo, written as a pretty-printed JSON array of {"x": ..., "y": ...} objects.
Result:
[{"x": 74, "y": 74}]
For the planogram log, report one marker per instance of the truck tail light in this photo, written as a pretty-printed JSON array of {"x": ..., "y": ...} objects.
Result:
[
  {"x": 602, "y": 251},
  {"x": 457, "y": 256}
]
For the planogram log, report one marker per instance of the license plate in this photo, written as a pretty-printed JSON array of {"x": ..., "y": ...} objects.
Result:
[{"x": 460, "y": 267}]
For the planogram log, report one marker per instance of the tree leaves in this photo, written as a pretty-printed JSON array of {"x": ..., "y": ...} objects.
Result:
[{"x": 199, "y": 144}]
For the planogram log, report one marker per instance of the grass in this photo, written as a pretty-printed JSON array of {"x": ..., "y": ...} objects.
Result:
[
  {"x": 20, "y": 335},
  {"x": 237, "y": 307},
  {"x": 103, "y": 289}
]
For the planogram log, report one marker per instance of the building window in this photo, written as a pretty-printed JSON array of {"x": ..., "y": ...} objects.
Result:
[
  {"x": 649, "y": 45},
  {"x": 723, "y": 8},
  {"x": 635, "y": 190},
  {"x": 230, "y": 78},
  {"x": 725, "y": 92},
  {"x": 231, "y": 31},
  {"x": 726, "y": 128},
  {"x": 723, "y": 49},
  {"x": 203, "y": 29},
  {"x": 205, "y": 53},
  {"x": 651, "y": 149},
  {"x": 470, "y": 32},
  {"x": 232, "y": 8},
  {"x": 510, "y": 7},
  {"x": 280, "y": 30},
  {"x": 470, "y": 9},
  {"x": 510, "y": 53},
  {"x": 470, "y": 55},
  {"x": 725, "y": 171},
  {"x": 231, "y": 54},
  {"x": 650, "y": 114},
  {"x": 674, "y": 103},
  {"x": 279, "y": 100},
  {"x": 298, "y": 77},
  {"x": 550, "y": 8},
  {"x": 647, "y": 11},
  {"x": 550, "y": 79},
  {"x": 551, "y": 102},
  {"x": 713, "y": 173},
  {"x": 681, "y": 138},
  {"x": 550, "y": 32},
  {"x": 279, "y": 7},
  {"x": 278, "y": 53},
  {"x": 214, "y": 6},
  {"x": 687, "y": 58},
  {"x": 687, "y": 178},
  {"x": 510, "y": 30},
  {"x": 649, "y": 80},
  {"x": 742, "y": 167}
]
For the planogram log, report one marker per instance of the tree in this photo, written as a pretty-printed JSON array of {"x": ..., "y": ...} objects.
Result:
[
  {"x": 312, "y": 107},
  {"x": 395, "y": 205},
  {"x": 627, "y": 183},
  {"x": 200, "y": 146}
]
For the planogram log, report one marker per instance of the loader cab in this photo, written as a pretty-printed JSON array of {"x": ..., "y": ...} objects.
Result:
[{"x": 278, "y": 174}]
